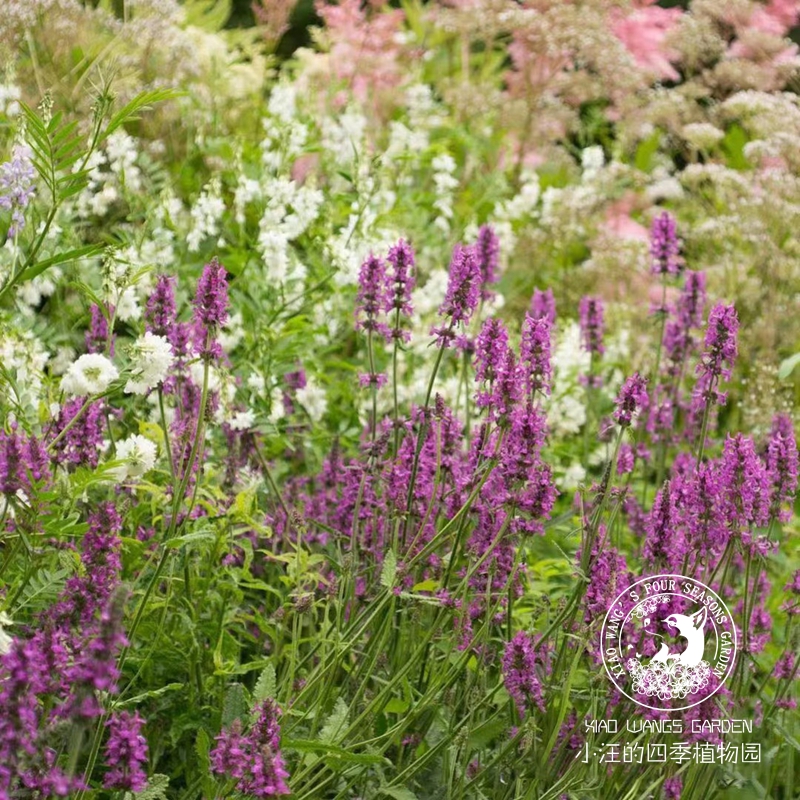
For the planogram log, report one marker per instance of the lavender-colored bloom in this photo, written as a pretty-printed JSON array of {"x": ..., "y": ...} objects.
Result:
[
  {"x": 12, "y": 462},
  {"x": 401, "y": 281},
  {"x": 491, "y": 345},
  {"x": 535, "y": 353},
  {"x": 96, "y": 337},
  {"x": 781, "y": 462},
  {"x": 372, "y": 297},
  {"x": 126, "y": 753},
  {"x": 508, "y": 386},
  {"x": 368, "y": 379},
  {"x": 673, "y": 788},
  {"x": 211, "y": 298},
  {"x": 692, "y": 300},
  {"x": 16, "y": 186},
  {"x": 519, "y": 673},
  {"x": 632, "y": 397},
  {"x": 543, "y": 304},
  {"x": 82, "y": 443},
  {"x": 664, "y": 544},
  {"x": 487, "y": 249},
  {"x": 720, "y": 351},
  {"x": 606, "y": 569},
  {"x": 463, "y": 293},
  {"x": 665, "y": 246},
  {"x": 745, "y": 484},
  {"x": 253, "y": 760},
  {"x": 160, "y": 313},
  {"x": 592, "y": 324}
]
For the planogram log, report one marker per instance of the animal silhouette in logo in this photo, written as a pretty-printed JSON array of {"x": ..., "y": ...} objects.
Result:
[{"x": 691, "y": 628}]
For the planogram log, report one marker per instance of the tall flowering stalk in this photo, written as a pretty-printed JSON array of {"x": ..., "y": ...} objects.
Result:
[{"x": 716, "y": 362}]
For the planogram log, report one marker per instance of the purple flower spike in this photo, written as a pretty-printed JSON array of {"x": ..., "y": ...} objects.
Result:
[
  {"x": 487, "y": 249},
  {"x": 632, "y": 397},
  {"x": 211, "y": 299},
  {"x": 543, "y": 304},
  {"x": 535, "y": 353},
  {"x": 253, "y": 760},
  {"x": 592, "y": 324},
  {"x": 665, "y": 246},
  {"x": 372, "y": 297},
  {"x": 720, "y": 351},
  {"x": 401, "y": 283},
  {"x": 126, "y": 753},
  {"x": 161, "y": 309},
  {"x": 519, "y": 673},
  {"x": 782, "y": 467},
  {"x": 463, "y": 293}
]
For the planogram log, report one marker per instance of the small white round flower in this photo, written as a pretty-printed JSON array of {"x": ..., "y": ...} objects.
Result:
[
  {"x": 152, "y": 359},
  {"x": 91, "y": 374},
  {"x": 312, "y": 398},
  {"x": 139, "y": 455},
  {"x": 242, "y": 420},
  {"x": 5, "y": 639}
]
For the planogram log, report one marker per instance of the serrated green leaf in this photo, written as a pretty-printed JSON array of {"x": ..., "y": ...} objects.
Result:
[
  {"x": 43, "y": 587},
  {"x": 156, "y": 789},
  {"x": 202, "y": 744},
  {"x": 335, "y": 725},
  {"x": 235, "y": 705},
  {"x": 266, "y": 685},
  {"x": 389, "y": 571}
]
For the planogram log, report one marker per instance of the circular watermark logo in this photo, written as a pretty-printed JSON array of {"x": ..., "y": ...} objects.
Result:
[{"x": 668, "y": 642}]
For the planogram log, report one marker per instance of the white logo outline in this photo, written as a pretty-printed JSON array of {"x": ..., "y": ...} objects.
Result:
[{"x": 666, "y": 672}]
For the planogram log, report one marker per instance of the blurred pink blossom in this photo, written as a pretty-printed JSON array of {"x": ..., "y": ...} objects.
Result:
[
  {"x": 365, "y": 45},
  {"x": 643, "y": 32},
  {"x": 619, "y": 223}
]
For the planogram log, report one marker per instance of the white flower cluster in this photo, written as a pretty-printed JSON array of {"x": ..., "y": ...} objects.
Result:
[
  {"x": 151, "y": 361},
  {"x": 290, "y": 210},
  {"x": 444, "y": 167},
  {"x": 343, "y": 137},
  {"x": 206, "y": 214},
  {"x": 138, "y": 456},
  {"x": 23, "y": 358},
  {"x": 112, "y": 170},
  {"x": 91, "y": 374},
  {"x": 9, "y": 99}
]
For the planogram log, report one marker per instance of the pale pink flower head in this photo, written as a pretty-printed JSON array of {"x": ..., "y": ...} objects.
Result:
[
  {"x": 365, "y": 46},
  {"x": 619, "y": 223},
  {"x": 643, "y": 31}
]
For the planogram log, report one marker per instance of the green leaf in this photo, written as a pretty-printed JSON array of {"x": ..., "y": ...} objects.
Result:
[
  {"x": 136, "y": 699},
  {"x": 788, "y": 365},
  {"x": 733, "y": 147},
  {"x": 202, "y": 744},
  {"x": 398, "y": 793},
  {"x": 235, "y": 706},
  {"x": 334, "y": 726},
  {"x": 339, "y": 753},
  {"x": 266, "y": 685},
  {"x": 389, "y": 571},
  {"x": 43, "y": 587},
  {"x": 156, "y": 789},
  {"x": 39, "y": 267},
  {"x": 643, "y": 160},
  {"x": 139, "y": 103}
]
